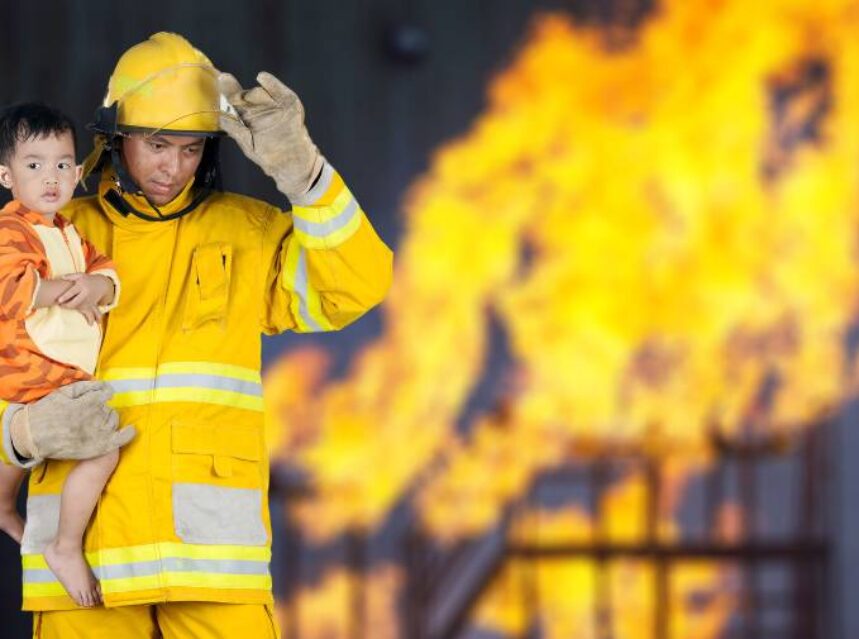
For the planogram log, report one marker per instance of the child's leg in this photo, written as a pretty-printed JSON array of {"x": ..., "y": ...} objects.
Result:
[
  {"x": 10, "y": 483},
  {"x": 11, "y": 522},
  {"x": 65, "y": 554}
]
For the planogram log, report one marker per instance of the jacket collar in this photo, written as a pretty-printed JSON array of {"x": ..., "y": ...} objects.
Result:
[
  {"x": 17, "y": 208},
  {"x": 109, "y": 181}
]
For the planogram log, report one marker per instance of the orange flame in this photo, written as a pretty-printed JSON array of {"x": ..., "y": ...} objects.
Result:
[
  {"x": 666, "y": 233},
  {"x": 566, "y": 590}
]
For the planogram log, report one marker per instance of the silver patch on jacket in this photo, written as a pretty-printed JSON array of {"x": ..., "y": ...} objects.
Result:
[
  {"x": 204, "y": 514},
  {"x": 43, "y": 520}
]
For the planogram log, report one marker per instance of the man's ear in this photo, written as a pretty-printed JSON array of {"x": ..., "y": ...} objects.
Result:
[
  {"x": 79, "y": 171},
  {"x": 5, "y": 176}
]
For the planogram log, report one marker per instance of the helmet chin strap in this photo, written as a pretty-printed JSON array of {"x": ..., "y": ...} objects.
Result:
[{"x": 127, "y": 185}]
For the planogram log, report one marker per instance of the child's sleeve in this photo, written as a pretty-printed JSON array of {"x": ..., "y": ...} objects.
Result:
[
  {"x": 20, "y": 262},
  {"x": 98, "y": 263}
]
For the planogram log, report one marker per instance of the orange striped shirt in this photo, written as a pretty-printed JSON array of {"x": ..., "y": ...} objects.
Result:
[{"x": 26, "y": 373}]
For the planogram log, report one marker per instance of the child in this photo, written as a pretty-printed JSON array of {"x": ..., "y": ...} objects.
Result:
[{"x": 54, "y": 288}]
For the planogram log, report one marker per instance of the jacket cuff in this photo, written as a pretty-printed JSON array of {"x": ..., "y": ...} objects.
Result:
[
  {"x": 113, "y": 277},
  {"x": 9, "y": 451},
  {"x": 328, "y": 214},
  {"x": 317, "y": 190}
]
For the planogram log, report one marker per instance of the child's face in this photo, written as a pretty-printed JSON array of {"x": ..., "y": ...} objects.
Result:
[{"x": 42, "y": 173}]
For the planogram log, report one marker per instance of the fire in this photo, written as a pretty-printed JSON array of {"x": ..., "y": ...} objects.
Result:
[
  {"x": 679, "y": 279},
  {"x": 567, "y": 589},
  {"x": 311, "y": 614},
  {"x": 665, "y": 233}
]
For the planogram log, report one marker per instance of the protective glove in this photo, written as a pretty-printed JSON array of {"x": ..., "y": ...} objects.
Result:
[
  {"x": 271, "y": 132},
  {"x": 73, "y": 422}
]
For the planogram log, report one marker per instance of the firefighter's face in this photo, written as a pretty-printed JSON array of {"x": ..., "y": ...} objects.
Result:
[{"x": 161, "y": 165}]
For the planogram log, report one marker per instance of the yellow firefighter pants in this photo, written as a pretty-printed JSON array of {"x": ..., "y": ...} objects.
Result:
[{"x": 180, "y": 620}]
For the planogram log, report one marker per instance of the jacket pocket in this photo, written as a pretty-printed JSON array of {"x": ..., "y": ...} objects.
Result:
[
  {"x": 217, "y": 487},
  {"x": 209, "y": 293}
]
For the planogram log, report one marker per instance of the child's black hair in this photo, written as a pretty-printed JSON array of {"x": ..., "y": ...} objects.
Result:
[{"x": 27, "y": 120}]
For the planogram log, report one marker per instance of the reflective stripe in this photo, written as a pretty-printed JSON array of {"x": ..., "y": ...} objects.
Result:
[
  {"x": 152, "y": 552},
  {"x": 161, "y": 565},
  {"x": 201, "y": 382},
  {"x": 183, "y": 381},
  {"x": 329, "y": 220},
  {"x": 192, "y": 395},
  {"x": 325, "y": 228},
  {"x": 205, "y": 368},
  {"x": 308, "y": 218},
  {"x": 209, "y": 581},
  {"x": 306, "y": 306},
  {"x": 336, "y": 237},
  {"x": 301, "y": 288},
  {"x": 169, "y": 564},
  {"x": 318, "y": 190}
]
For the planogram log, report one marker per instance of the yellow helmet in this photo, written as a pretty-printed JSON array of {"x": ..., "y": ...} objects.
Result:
[{"x": 165, "y": 84}]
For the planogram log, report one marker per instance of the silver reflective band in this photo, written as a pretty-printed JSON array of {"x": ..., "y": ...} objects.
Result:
[
  {"x": 301, "y": 290},
  {"x": 188, "y": 380},
  {"x": 323, "y": 229},
  {"x": 168, "y": 564},
  {"x": 318, "y": 189}
]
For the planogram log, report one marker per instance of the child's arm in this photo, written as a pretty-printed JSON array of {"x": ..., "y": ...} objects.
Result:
[
  {"x": 49, "y": 292},
  {"x": 21, "y": 261},
  {"x": 101, "y": 265},
  {"x": 86, "y": 294}
]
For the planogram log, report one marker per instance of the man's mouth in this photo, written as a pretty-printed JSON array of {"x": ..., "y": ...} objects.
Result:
[
  {"x": 162, "y": 188},
  {"x": 50, "y": 195}
]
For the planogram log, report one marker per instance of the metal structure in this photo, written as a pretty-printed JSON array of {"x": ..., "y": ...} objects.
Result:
[{"x": 443, "y": 584}]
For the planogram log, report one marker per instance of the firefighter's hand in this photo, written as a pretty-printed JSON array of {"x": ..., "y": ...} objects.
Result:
[
  {"x": 270, "y": 131},
  {"x": 72, "y": 422}
]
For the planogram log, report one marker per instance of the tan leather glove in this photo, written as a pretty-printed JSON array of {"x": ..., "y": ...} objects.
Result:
[
  {"x": 272, "y": 132},
  {"x": 73, "y": 422}
]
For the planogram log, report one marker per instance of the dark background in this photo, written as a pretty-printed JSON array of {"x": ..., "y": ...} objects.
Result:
[{"x": 374, "y": 110}]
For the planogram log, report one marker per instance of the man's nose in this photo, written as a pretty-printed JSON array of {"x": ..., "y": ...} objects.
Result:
[
  {"x": 170, "y": 162},
  {"x": 51, "y": 180}
]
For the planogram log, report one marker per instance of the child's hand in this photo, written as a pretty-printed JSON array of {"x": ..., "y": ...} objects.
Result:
[
  {"x": 84, "y": 294},
  {"x": 91, "y": 314}
]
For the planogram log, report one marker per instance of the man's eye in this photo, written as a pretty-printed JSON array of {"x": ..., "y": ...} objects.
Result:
[
  {"x": 155, "y": 146},
  {"x": 64, "y": 165},
  {"x": 33, "y": 165},
  {"x": 194, "y": 150}
]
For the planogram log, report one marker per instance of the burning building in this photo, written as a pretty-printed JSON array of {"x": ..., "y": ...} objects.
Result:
[{"x": 621, "y": 323}]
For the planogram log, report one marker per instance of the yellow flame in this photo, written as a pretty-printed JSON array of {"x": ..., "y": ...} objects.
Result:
[
  {"x": 664, "y": 263},
  {"x": 566, "y": 590},
  {"x": 670, "y": 277},
  {"x": 323, "y": 611},
  {"x": 663, "y": 231}
]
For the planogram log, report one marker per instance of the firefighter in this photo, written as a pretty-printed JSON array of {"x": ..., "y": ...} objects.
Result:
[{"x": 181, "y": 538}]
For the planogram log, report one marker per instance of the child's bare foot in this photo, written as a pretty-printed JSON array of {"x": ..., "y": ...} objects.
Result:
[
  {"x": 70, "y": 567},
  {"x": 12, "y": 524}
]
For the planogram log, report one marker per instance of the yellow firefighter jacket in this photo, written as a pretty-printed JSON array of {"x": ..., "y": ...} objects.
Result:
[{"x": 185, "y": 515}]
